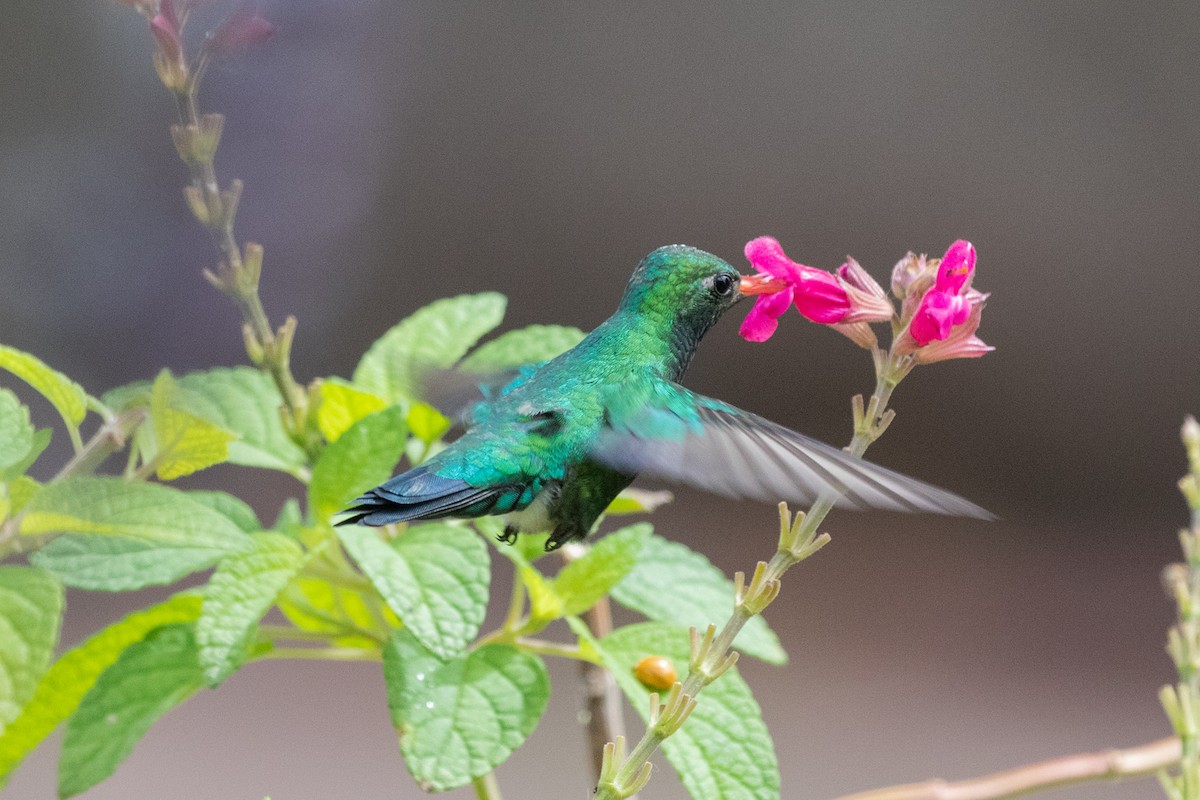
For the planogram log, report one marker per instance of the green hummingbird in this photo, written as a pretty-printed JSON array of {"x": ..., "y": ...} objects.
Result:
[{"x": 556, "y": 443}]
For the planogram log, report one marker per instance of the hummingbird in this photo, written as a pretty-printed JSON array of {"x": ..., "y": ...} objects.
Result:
[{"x": 554, "y": 445}]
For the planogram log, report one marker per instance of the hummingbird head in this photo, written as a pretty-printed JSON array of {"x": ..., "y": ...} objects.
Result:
[{"x": 679, "y": 292}]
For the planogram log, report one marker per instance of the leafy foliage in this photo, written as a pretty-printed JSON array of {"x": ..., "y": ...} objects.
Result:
[
  {"x": 414, "y": 596},
  {"x": 724, "y": 752},
  {"x": 460, "y": 717}
]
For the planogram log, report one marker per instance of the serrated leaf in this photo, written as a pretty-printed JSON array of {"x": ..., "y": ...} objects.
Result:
[
  {"x": 241, "y": 400},
  {"x": 581, "y": 583},
  {"x": 16, "y": 432},
  {"x": 435, "y": 577},
  {"x": 117, "y": 564},
  {"x": 362, "y": 457},
  {"x": 31, "y": 605},
  {"x": 236, "y": 509},
  {"x": 186, "y": 443},
  {"x": 523, "y": 346},
  {"x": 40, "y": 441},
  {"x": 149, "y": 679},
  {"x": 672, "y": 583},
  {"x": 342, "y": 405},
  {"x": 67, "y": 396},
  {"x": 241, "y": 590},
  {"x": 69, "y": 679},
  {"x": 245, "y": 401},
  {"x": 460, "y": 718},
  {"x": 435, "y": 336},
  {"x": 144, "y": 511},
  {"x": 723, "y": 751}
]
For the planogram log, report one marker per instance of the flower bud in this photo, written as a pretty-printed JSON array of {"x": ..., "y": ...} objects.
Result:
[
  {"x": 241, "y": 31},
  {"x": 655, "y": 672},
  {"x": 868, "y": 301},
  {"x": 909, "y": 270},
  {"x": 168, "y": 57}
]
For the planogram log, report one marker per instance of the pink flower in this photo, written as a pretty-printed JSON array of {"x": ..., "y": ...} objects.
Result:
[
  {"x": 944, "y": 320},
  {"x": 847, "y": 298},
  {"x": 168, "y": 58}
]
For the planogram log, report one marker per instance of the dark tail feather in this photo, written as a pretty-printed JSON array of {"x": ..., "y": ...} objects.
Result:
[{"x": 419, "y": 494}]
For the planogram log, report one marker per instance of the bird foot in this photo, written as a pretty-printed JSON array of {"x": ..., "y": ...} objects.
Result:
[{"x": 509, "y": 536}]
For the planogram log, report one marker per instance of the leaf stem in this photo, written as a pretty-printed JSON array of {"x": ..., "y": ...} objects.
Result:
[
  {"x": 322, "y": 654},
  {"x": 545, "y": 648},
  {"x": 486, "y": 787}
]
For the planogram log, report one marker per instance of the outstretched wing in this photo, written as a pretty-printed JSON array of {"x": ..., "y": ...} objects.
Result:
[{"x": 688, "y": 438}]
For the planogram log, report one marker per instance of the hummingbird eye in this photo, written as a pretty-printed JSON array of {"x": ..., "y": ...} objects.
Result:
[{"x": 723, "y": 284}]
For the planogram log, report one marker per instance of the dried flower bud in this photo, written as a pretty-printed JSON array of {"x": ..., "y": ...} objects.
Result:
[
  {"x": 908, "y": 271},
  {"x": 655, "y": 672}
]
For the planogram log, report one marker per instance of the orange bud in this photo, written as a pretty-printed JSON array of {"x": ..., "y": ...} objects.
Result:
[{"x": 655, "y": 672}]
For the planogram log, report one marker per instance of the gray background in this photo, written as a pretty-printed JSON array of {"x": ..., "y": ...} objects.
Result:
[{"x": 398, "y": 152}]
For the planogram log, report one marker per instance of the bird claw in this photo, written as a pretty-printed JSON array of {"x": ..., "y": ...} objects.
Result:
[{"x": 509, "y": 536}]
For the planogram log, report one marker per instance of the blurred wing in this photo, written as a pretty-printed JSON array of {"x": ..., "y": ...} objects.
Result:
[
  {"x": 688, "y": 438},
  {"x": 457, "y": 393}
]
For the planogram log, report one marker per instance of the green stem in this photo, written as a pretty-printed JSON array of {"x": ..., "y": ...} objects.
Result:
[
  {"x": 322, "y": 654},
  {"x": 545, "y": 648},
  {"x": 871, "y": 427},
  {"x": 486, "y": 787}
]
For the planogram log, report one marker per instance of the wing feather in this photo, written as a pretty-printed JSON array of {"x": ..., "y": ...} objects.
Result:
[{"x": 722, "y": 449}]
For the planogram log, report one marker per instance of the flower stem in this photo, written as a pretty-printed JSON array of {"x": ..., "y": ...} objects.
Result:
[
  {"x": 798, "y": 540},
  {"x": 322, "y": 654},
  {"x": 1133, "y": 762}
]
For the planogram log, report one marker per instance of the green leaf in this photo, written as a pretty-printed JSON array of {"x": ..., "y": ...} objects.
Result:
[
  {"x": 241, "y": 590},
  {"x": 117, "y": 564},
  {"x": 637, "y": 501},
  {"x": 723, "y": 751},
  {"x": 342, "y": 405},
  {"x": 241, "y": 400},
  {"x": 149, "y": 679},
  {"x": 314, "y": 604},
  {"x": 129, "y": 535},
  {"x": 584, "y": 581},
  {"x": 186, "y": 443},
  {"x": 362, "y": 457},
  {"x": 16, "y": 432},
  {"x": 113, "y": 507},
  {"x": 40, "y": 441},
  {"x": 31, "y": 605},
  {"x": 435, "y": 577},
  {"x": 245, "y": 401},
  {"x": 524, "y": 346},
  {"x": 427, "y": 423},
  {"x": 69, "y": 679},
  {"x": 460, "y": 718},
  {"x": 435, "y": 336},
  {"x": 67, "y": 397},
  {"x": 21, "y": 490},
  {"x": 229, "y": 506},
  {"x": 674, "y": 584}
]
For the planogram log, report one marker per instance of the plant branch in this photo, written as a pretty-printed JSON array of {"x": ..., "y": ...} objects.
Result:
[
  {"x": 322, "y": 654},
  {"x": 1133, "y": 762},
  {"x": 712, "y": 655}
]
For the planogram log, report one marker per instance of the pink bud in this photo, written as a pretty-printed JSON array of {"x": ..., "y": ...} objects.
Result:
[
  {"x": 166, "y": 33},
  {"x": 242, "y": 30},
  {"x": 954, "y": 271}
]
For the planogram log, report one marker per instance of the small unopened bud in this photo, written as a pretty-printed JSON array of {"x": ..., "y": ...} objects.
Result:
[
  {"x": 242, "y": 30},
  {"x": 168, "y": 58},
  {"x": 254, "y": 348},
  {"x": 655, "y": 672},
  {"x": 909, "y": 271},
  {"x": 252, "y": 258},
  {"x": 195, "y": 201}
]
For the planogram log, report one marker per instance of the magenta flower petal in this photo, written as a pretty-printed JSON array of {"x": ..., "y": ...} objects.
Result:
[
  {"x": 760, "y": 324},
  {"x": 765, "y": 254},
  {"x": 934, "y": 317},
  {"x": 244, "y": 29},
  {"x": 954, "y": 272},
  {"x": 820, "y": 298}
]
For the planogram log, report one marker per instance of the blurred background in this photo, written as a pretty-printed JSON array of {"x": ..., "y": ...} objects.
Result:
[{"x": 394, "y": 153}]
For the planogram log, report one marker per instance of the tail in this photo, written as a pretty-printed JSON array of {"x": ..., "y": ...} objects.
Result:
[{"x": 421, "y": 494}]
